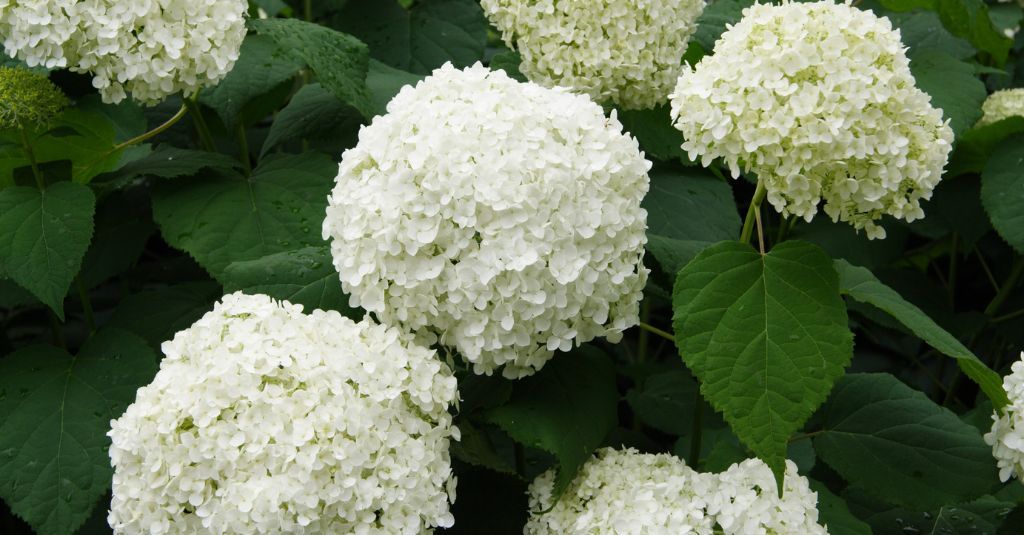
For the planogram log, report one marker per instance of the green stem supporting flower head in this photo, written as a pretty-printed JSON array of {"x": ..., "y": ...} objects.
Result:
[{"x": 28, "y": 100}]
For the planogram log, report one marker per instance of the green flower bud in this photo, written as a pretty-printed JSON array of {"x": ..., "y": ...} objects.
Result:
[{"x": 27, "y": 99}]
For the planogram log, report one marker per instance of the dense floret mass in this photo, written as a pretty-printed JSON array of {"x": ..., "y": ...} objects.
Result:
[
  {"x": 498, "y": 218},
  {"x": 1002, "y": 105},
  {"x": 1007, "y": 434},
  {"x": 624, "y": 492},
  {"x": 36, "y": 31},
  {"x": 746, "y": 502},
  {"x": 263, "y": 419},
  {"x": 28, "y": 99},
  {"x": 156, "y": 48},
  {"x": 817, "y": 99},
  {"x": 628, "y": 52},
  {"x": 149, "y": 48}
]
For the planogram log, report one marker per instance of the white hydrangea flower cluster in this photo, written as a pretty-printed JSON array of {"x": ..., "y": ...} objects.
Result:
[
  {"x": 746, "y": 502},
  {"x": 625, "y": 492},
  {"x": 1001, "y": 105},
  {"x": 818, "y": 100},
  {"x": 35, "y": 31},
  {"x": 625, "y": 51},
  {"x": 263, "y": 419},
  {"x": 1007, "y": 434},
  {"x": 499, "y": 218},
  {"x": 149, "y": 48}
]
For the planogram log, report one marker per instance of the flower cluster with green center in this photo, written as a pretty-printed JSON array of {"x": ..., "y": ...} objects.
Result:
[
  {"x": 817, "y": 99},
  {"x": 628, "y": 492},
  {"x": 1002, "y": 105},
  {"x": 151, "y": 49},
  {"x": 628, "y": 52},
  {"x": 263, "y": 419}
]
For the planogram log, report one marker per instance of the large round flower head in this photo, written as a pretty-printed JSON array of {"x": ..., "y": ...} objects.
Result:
[
  {"x": 1007, "y": 434},
  {"x": 625, "y": 51},
  {"x": 1002, "y": 105},
  {"x": 746, "y": 502},
  {"x": 624, "y": 492},
  {"x": 156, "y": 48},
  {"x": 499, "y": 218},
  {"x": 818, "y": 100},
  {"x": 28, "y": 99},
  {"x": 263, "y": 419},
  {"x": 35, "y": 31}
]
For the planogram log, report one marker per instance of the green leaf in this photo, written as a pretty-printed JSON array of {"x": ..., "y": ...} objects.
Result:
[
  {"x": 385, "y": 82},
  {"x": 976, "y": 145},
  {"x": 121, "y": 235},
  {"x": 766, "y": 335},
  {"x": 862, "y": 286},
  {"x": 566, "y": 409},
  {"x": 509, "y": 62},
  {"x": 714, "y": 19},
  {"x": 55, "y": 411},
  {"x": 419, "y": 39},
  {"x": 892, "y": 441},
  {"x": 665, "y": 402},
  {"x": 262, "y": 66},
  {"x": 12, "y": 295},
  {"x": 126, "y": 117},
  {"x": 220, "y": 220},
  {"x": 475, "y": 447},
  {"x": 963, "y": 18},
  {"x": 673, "y": 254},
  {"x": 953, "y": 86},
  {"x": 984, "y": 515},
  {"x": 690, "y": 204},
  {"x": 1002, "y": 191},
  {"x": 84, "y": 138},
  {"x": 43, "y": 237},
  {"x": 317, "y": 115},
  {"x": 305, "y": 276},
  {"x": 922, "y": 30},
  {"x": 835, "y": 515},
  {"x": 339, "y": 60},
  {"x": 155, "y": 315},
  {"x": 653, "y": 129},
  {"x": 166, "y": 162}
]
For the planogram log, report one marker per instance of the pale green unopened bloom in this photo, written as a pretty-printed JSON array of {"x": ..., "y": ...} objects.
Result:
[
  {"x": 27, "y": 99},
  {"x": 1002, "y": 105}
]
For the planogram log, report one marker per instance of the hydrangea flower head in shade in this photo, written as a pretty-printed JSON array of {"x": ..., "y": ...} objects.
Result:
[
  {"x": 818, "y": 100},
  {"x": 1007, "y": 434},
  {"x": 156, "y": 48},
  {"x": 36, "y": 31},
  {"x": 746, "y": 502},
  {"x": 1002, "y": 105},
  {"x": 625, "y": 51},
  {"x": 263, "y": 419},
  {"x": 498, "y": 218},
  {"x": 624, "y": 492}
]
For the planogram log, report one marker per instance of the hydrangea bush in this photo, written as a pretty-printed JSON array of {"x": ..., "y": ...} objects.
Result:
[{"x": 505, "y": 267}]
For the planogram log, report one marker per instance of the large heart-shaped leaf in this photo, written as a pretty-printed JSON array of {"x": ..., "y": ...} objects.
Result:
[
  {"x": 766, "y": 334},
  {"x": 55, "y": 411},
  {"x": 43, "y": 237}
]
